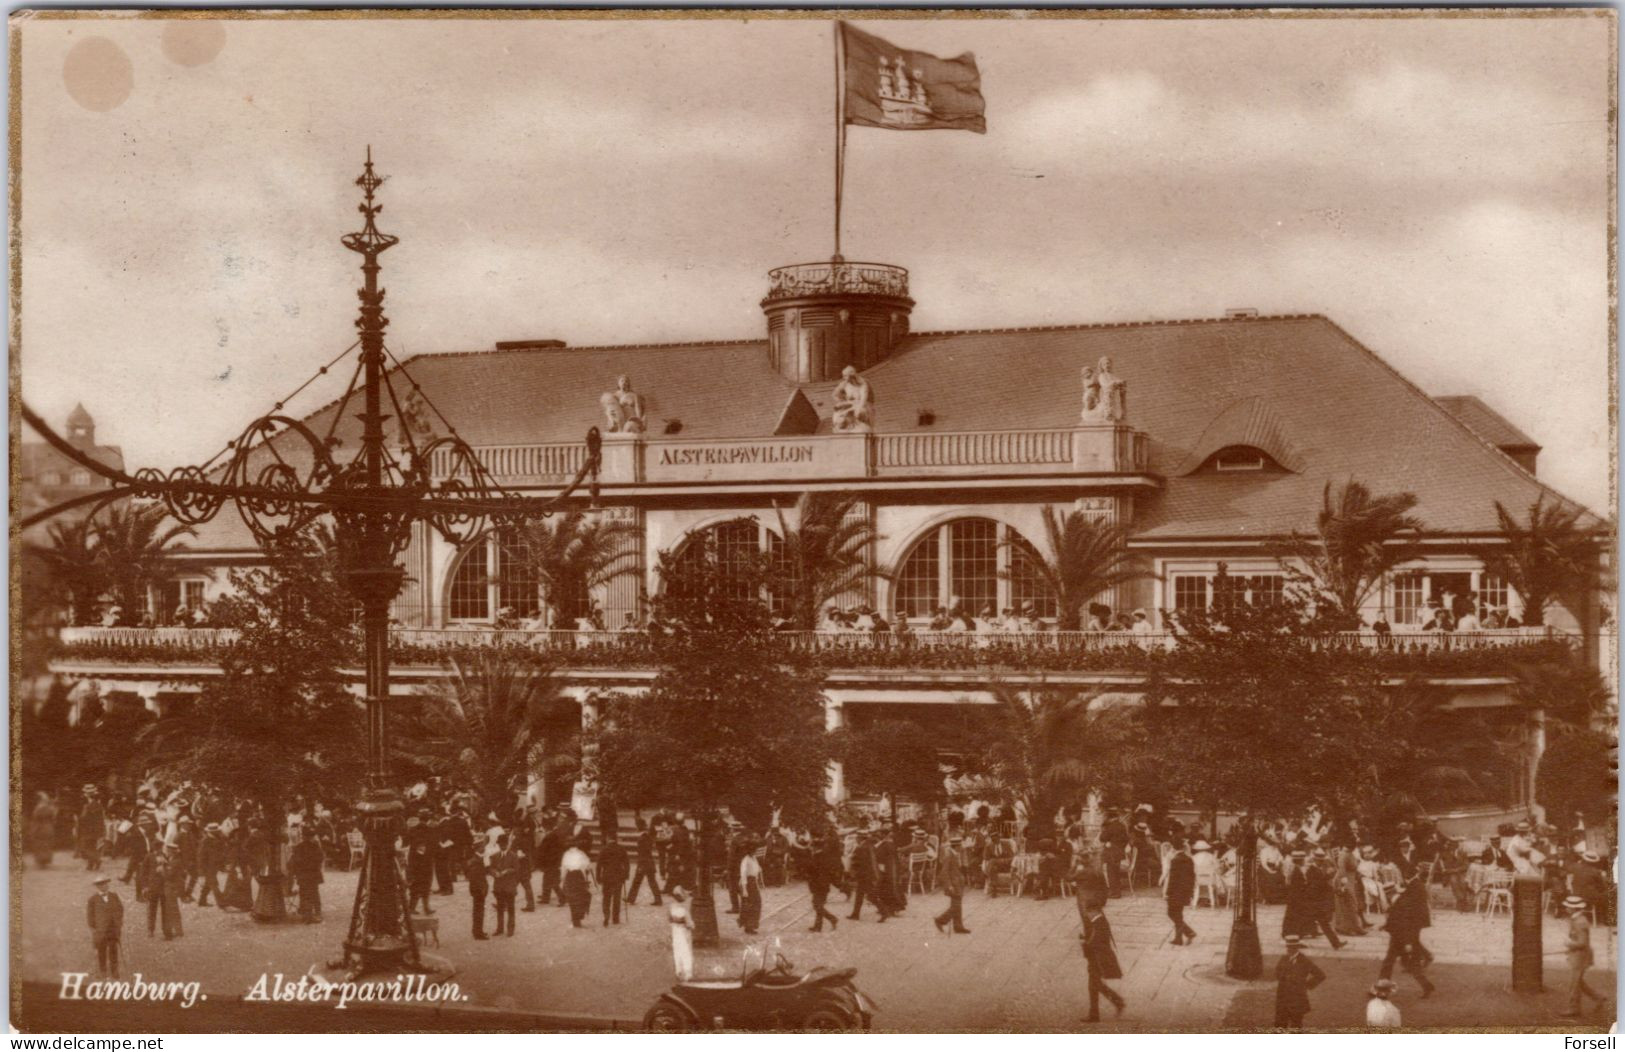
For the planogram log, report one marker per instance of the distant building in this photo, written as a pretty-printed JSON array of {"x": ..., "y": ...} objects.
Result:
[{"x": 47, "y": 476}]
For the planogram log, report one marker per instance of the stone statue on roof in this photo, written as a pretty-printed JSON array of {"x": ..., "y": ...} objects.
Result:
[
  {"x": 1092, "y": 413},
  {"x": 1113, "y": 393},
  {"x": 854, "y": 403},
  {"x": 623, "y": 408},
  {"x": 416, "y": 424}
]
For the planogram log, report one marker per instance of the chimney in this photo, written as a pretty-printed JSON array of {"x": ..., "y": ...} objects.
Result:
[{"x": 530, "y": 345}]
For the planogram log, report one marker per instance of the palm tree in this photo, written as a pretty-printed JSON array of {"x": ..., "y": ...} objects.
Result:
[
  {"x": 1087, "y": 556},
  {"x": 1359, "y": 537},
  {"x": 1550, "y": 558},
  {"x": 825, "y": 556},
  {"x": 73, "y": 574},
  {"x": 1048, "y": 744},
  {"x": 574, "y": 555},
  {"x": 133, "y": 543},
  {"x": 495, "y": 718}
]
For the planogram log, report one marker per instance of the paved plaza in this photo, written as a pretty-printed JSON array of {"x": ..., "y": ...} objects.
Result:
[{"x": 1020, "y": 968}]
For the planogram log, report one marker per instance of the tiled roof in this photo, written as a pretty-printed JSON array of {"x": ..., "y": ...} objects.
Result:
[
  {"x": 1299, "y": 386},
  {"x": 1491, "y": 426},
  {"x": 33, "y": 458}
]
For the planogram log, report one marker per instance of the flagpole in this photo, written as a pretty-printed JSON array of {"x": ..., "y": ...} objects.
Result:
[{"x": 840, "y": 130}]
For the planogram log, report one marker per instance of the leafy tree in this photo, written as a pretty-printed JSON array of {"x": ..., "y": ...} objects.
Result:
[
  {"x": 134, "y": 544},
  {"x": 48, "y": 751},
  {"x": 110, "y": 740},
  {"x": 496, "y": 719},
  {"x": 573, "y": 555},
  {"x": 279, "y": 721},
  {"x": 898, "y": 759},
  {"x": 1252, "y": 715},
  {"x": 1549, "y": 558},
  {"x": 1257, "y": 716},
  {"x": 824, "y": 556},
  {"x": 1577, "y": 781},
  {"x": 730, "y": 721},
  {"x": 1572, "y": 692},
  {"x": 1047, "y": 747},
  {"x": 68, "y": 572},
  {"x": 1359, "y": 537},
  {"x": 1086, "y": 557}
]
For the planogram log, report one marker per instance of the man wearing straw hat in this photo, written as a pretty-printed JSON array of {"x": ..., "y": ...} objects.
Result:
[
  {"x": 1295, "y": 976},
  {"x": 952, "y": 879},
  {"x": 1578, "y": 951},
  {"x": 105, "y": 915}
]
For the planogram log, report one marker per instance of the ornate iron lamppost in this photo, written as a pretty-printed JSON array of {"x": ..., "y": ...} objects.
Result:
[{"x": 282, "y": 476}]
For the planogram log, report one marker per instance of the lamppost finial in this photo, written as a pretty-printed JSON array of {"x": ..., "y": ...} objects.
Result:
[{"x": 369, "y": 241}]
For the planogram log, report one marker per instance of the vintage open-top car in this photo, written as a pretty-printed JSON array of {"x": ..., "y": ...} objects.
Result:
[{"x": 765, "y": 999}]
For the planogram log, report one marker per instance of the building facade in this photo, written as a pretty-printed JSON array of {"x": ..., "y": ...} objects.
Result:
[{"x": 1211, "y": 440}]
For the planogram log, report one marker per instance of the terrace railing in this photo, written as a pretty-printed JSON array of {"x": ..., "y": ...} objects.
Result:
[
  {"x": 820, "y": 279},
  {"x": 1040, "y": 649}
]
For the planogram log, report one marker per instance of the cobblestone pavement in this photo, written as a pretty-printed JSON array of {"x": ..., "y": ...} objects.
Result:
[{"x": 1019, "y": 969}]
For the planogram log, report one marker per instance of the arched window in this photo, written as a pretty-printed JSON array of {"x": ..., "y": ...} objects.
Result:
[
  {"x": 736, "y": 542},
  {"x": 980, "y": 562},
  {"x": 494, "y": 574}
]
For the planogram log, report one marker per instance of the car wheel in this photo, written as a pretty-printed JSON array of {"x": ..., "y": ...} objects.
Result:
[
  {"x": 827, "y": 1018},
  {"x": 666, "y": 1018}
]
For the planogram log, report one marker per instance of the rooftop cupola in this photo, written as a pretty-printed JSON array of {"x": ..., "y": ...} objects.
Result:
[{"x": 823, "y": 317}]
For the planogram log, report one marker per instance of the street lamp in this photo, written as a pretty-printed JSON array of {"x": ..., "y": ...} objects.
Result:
[{"x": 282, "y": 476}]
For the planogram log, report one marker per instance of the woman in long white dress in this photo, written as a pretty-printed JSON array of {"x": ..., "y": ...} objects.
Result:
[{"x": 682, "y": 936}]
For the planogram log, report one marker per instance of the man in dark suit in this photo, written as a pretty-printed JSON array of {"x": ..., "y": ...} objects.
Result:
[
  {"x": 442, "y": 843},
  {"x": 105, "y": 915},
  {"x": 419, "y": 841},
  {"x": 823, "y": 873},
  {"x": 186, "y": 854},
  {"x": 646, "y": 865},
  {"x": 863, "y": 876},
  {"x": 305, "y": 867},
  {"x": 1407, "y": 916},
  {"x": 951, "y": 876},
  {"x": 613, "y": 867},
  {"x": 1181, "y": 889},
  {"x": 1295, "y": 976},
  {"x": 211, "y": 859},
  {"x": 505, "y": 884},
  {"x": 1101, "y": 955},
  {"x": 549, "y": 853},
  {"x": 138, "y": 843},
  {"x": 92, "y": 826},
  {"x": 478, "y": 887},
  {"x": 1322, "y": 897},
  {"x": 163, "y": 881},
  {"x": 885, "y": 884},
  {"x": 681, "y": 863},
  {"x": 1114, "y": 837}
]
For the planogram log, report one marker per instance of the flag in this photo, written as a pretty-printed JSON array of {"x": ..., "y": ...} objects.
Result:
[{"x": 891, "y": 87}]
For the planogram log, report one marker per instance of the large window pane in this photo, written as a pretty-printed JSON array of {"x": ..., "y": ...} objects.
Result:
[
  {"x": 1027, "y": 585},
  {"x": 973, "y": 546},
  {"x": 470, "y": 598},
  {"x": 518, "y": 589},
  {"x": 917, "y": 585}
]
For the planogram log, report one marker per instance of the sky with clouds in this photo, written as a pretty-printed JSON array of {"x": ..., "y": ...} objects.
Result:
[{"x": 1438, "y": 186}]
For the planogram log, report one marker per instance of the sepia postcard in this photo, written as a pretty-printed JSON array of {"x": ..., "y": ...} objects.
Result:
[{"x": 976, "y": 521}]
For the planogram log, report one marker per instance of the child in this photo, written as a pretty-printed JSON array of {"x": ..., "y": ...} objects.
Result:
[
  {"x": 682, "y": 936},
  {"x": 1381, "y": 1012}
]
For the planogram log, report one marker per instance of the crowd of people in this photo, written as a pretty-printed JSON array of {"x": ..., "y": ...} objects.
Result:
[{"x": 186, "y": 846}]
